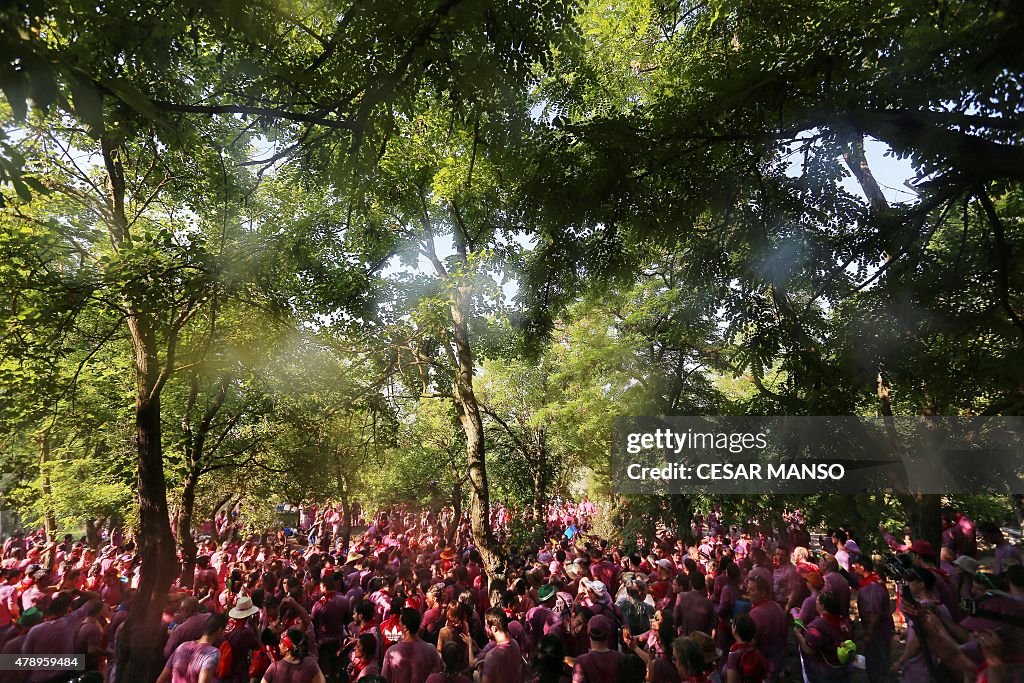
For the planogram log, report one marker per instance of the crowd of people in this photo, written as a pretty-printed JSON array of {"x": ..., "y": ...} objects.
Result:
[{"x": 408, "y": 601}]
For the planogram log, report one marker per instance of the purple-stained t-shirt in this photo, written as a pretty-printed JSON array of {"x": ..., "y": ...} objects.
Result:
[
  {"x": 283, "y": 671},
  {"x": 661, "y": 670},
  {"x": 191, "y": 659},
  {"x": 808, "y": 609},
  {"x": 503, "y": 664},
  {"x": 873, "y": 598},
  {"x": 1005, "y": 556},
  {"x": 410, "y": 662},
  {"x": 770, "y": 619},
  {"x": 8, "y": 600},
  {"x": 329, "y": 617},
  {"x": 597, "y": 667},
  {"x": 190, "y": 629},
  {"x": 694, "y": 612},
  {"x": 442, "y": 678},
  {"x": 54, "y": 637}
]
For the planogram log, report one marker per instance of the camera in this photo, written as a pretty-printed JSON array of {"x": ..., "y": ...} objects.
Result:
[{"x": 896, "y": 567}]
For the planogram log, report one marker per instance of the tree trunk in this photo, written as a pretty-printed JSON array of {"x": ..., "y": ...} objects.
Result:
[
  {"x": 49, "y": 523},
  {"x": 92, "y": 532},
  {"x": 468, "y": 410},
  {"x": 453, "y": 528},
  {"x": 346, "y": 521},
  {"x": 540, "y": 480},
  {"x": 139, "y": 657},
  {"x": 185, "y": 540}
]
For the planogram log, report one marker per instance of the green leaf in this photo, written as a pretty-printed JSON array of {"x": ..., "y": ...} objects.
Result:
[
  {"x": 134, "y": 98},
  {"x": 88, "y": 106},
  {"x": 14, "y": 87}
]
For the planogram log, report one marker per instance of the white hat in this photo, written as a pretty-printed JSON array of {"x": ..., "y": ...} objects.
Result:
[
  {"x": 596, "y": 586},
  {"x": 666, "y": 564},
  {"x": 968, "y": 564},
  {"x": 243, "y": 608},
  {"x": 572, "y": 569}
]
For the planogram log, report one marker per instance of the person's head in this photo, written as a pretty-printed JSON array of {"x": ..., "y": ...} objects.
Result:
[
  {"x": 496, "y": 620},
  {"x": 580, "y": 616},
  {"x": 636, "y": 589},
  {"x": 743, "y": 628},
  {"x": 294, "y": 644},
  {"x": 410, "y": 620},
  {"x": 665, "y": 627},
  {"x": 681, "y": 583},
  {"x": 363, "y": 612},
  {"x": 549, "y": 659},
  {"x": 862, "y": 565},
  {"x": 921, "y": 581},
  {"x": 213, "y": 631},
  {"x": 827, "y": 603},
  {"x": 689, "y": 656},
  {"x": 698, "y": 583},
  {"x": 923, "y": 553},
  {"x": 189, "y": 606},
  {"x": 451, "y": 656},
  {"x": 781, "y": 556},
  {"x": 366, "y": 647},
  {"x": 758, "y": 588},
  {"x": 599, "y": 630},
  {"x": 59, "y": 606},
  {"x": 839, "y": 538}
]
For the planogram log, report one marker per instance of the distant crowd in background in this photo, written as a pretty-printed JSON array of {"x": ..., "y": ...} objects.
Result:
[{"x": 407, "y": 600}]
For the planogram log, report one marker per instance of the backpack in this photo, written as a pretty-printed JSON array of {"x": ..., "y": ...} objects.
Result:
[
  {"x": 227, "y": 660},
  {"x": 752, "y": 666}
]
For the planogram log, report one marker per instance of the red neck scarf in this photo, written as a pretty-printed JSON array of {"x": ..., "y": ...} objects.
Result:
[{"x": 870, "y": 577}]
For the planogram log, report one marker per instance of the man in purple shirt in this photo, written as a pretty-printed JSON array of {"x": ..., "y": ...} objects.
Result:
[
  {"x": 56, "y": 635},
  {"x": 1005, "y": 553},
  {"x": 693, "y": 610},
  {"x": 783, "y": 576},
  {"x": 770, "y": 620},
  {"x": 191, "y": 624},
  {"x": 836, "y": 584},
  {"x": 600, "y": 664},
  {"x": 541, "y": 617},
  {"x": 330, "y": 615},
  {"x": 875, "y": 610},
  {"x": 410, "y": 660},
  {"x": 503, "y": 662}
]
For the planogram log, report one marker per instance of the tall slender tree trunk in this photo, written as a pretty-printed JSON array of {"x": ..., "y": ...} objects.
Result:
[
  {"x": 139, "y": 657},
  {"x": 185, "y": 540},
  {"x": 453, "y": 528},
  {"x": 49, "y": 523},
  {"x": 540, "y": 483},
  {"x": 346, "y": 520},
  {"x": 467, "y": 407}
]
